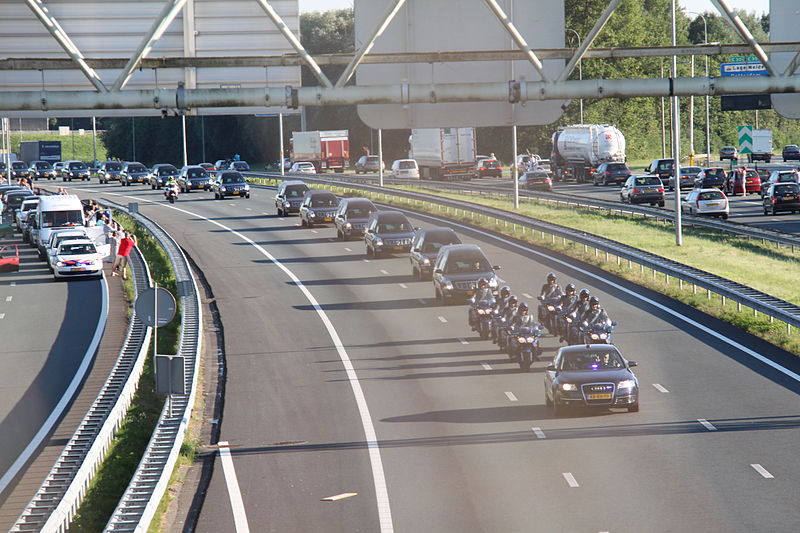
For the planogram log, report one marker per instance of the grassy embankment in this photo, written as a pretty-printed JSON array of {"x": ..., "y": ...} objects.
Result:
[
  {"x": 126, "y": 450},
  {"x": 716, "y": 252},
  {"x": 73, "y": 146}
]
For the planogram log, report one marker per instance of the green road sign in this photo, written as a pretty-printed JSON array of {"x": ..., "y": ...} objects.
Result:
[{"x": 745, "y": 139}]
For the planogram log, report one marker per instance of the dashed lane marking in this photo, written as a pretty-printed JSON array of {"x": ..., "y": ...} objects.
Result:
[
  {"x": 338, "y": 497},
  {"x": 365, "y": 260},
  {"x": 403, "y": 285},
  {"x": 314, "y": 231},
  {"x": 422, "y": 301},
  {"x": 511, "y": 397},
  {"x": 463, "y": 341},
  {"x": 346, "y": 249},
  {"x": 2, "y": 316},
  {"x": 9, "y": 298},
  {"x": 539, "y": 433},
  {"x": 526, "y": 295},
  {"x": 248, "y": 208},
  {"x": 13, "y": 283},
  {"x": 443, "y": 320},
  {"x": 486, "y": 366},
  {"x": 660, "y": 388},
  {"x": 763, "y": 471},
  {"x": 571, "y": 481},
  {"x": 384, "y": 272},
  {"x": 706, "y": 424},
  {"x": 235, "y": 494}
]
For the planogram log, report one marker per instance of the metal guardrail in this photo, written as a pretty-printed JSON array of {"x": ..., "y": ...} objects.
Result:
[
  {"x": 138, "y": 505},
  {"x": 758, "y": 301},
  {"x": 744, "y": 230},
  {"x": 58, "y": 499}
]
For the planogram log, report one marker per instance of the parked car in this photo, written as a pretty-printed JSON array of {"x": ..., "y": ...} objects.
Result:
[
  {"x": 457, "y": 271},
  {"x": 425, "y": 247},
  {"x": 688, "y": 175},
  {"x": 318, "y": 207},
  {"x": 404, "y": 168},
  {"x": 133, "y": 172},
  {"x": 489, "y": 167},
  {"x": 742, "y": 181},
  {"x": 77, "y": 259},
  {"x": 536, "y": 180},
  {"x": 109, "y": 171},
  {"x": 160, "y": 175},
  {"x": 230, "y": 183},
  {"x": 791, "y": 151},
  {"x": 781, "y": 197},
  {"x": 780, "y": 176},
  {"x": 27, "y": 206},
  {"x": 305, "y": 167},
  {"x": 192, "y": 178},
  {"x": 388, "y": 232},
  {"x": 77, "y": 170},
  {"x": 606, "y": 173},
  {"x": 41, "y": 169},
  {"x": 369, "y": 163},
  {"x": 642, "y": 190},
  {"x": 729, "y": 152},
  {"x": 590, "y": 375},
  {"x": 711, "y": 177},
  {"x": 352, "y": 216},
  {"x": 712, "y": 202},
  {"x": 290, "y": 196}
]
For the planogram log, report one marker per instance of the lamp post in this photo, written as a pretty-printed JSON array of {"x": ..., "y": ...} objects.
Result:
[
  {"x": 708, "y": 114},
  {"x": 580, "y": 69}
]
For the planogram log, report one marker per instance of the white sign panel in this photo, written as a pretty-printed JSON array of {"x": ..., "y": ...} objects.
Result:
[
  {"x": 116, "y": 28},
  {"x": 784, "y": 19},
  {"x": 458, "y": 25}
]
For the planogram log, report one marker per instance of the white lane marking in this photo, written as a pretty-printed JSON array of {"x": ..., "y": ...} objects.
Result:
[
  {"x": 706, "y": 424},
  {"x": 66, "y": 398},
  {"x": 526, "y": 295},
  {"x": 13, "y": 283},
  {"x": 659, "y": 387},
  {"x": 403, "y": 285},
  {"x": 314, "y": 231},
  {"x": 443, "y": 320},
  {"x": 763, "y": 471},
  {"x": 265, "y": 213},
  {"x": 539, "y": 433},
  {"x": 630, "y": 292},
  {"x": 463, "y": 341},
  {"x": 338, "y": 497},
  {"x": 384, "y": 272},
  {"x": 237, "y": 505},
  {"x": 365, "y": 260},
  {"x": 511, "y": 397},
  {"x": 378, "y": 476},
  {"x": 233, "y": 205},
  {"x": 571, "y": 481},
  {"x": 346, "y": 249},
  {"x": 248, "y": 208},
  {"x": 9, "y": 298},
  {"x": 422, "y": 301},
  {"x": 2, "y": 316},
  {"x": 486, "y": 366},
  {"x": 298, "y": 224}
]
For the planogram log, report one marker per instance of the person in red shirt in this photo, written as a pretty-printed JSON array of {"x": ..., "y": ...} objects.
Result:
[{"x": 123, "y": 251}]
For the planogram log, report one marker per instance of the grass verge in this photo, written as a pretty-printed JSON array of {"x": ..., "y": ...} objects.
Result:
[
  {"x": 128, "y": 445},
  {"x": 725, "y": 255}
]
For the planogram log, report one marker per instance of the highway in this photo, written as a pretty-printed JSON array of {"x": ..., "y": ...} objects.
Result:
[
  {"x": 324, "y": 346},
  {"x": 49, "y": 333}
]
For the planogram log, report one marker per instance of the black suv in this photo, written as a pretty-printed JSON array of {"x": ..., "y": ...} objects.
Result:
[
  {"x": 611, "y": 173},
  {"x": 781, "y": 197},
  {"x": 108, "y": 171},
  {"x": 387, "y": 232},
  {"x": 133, "y": 172},
  {"x": 352, "y": 216},
  {"x": 663, "y": 168},
  {"x": 791, "y": 151},
  {"x": 230, "y": 183},
  {"x": 290, "y": 196},
  {"x": 194, "y": 177},
  {"x": 74, "y": 170},
  {"x": 711, "y": 178},
  {"x": 160, "y": 175},
  {"x": 458, "y": 269},
  {"x": 425, "y": 247},
  {"x": 318, "y": 207}
]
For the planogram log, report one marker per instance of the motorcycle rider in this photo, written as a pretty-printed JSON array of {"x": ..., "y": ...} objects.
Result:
[
  {"x": 578, "y": 309},
  {"x": 483, "y": 294},
  {"x": 567, "y": 301},
  {"x": 549, "y": 290},
  {"x": 502, "y": 300},
  {"x": 522, "y": 318},
  {"x": 596, "y": 315},
  {"x": 171, "y": 184},
  {"x": 508, "y": 313}
]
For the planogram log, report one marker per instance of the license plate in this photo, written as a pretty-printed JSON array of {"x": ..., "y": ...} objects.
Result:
[
  {"x": 603, "y": 396},
  {"x": 712, "y": 204},
  {"x": 328, "y": 219},
  {"x": 470, "y": 293},
  {"x": 79, "y": 269},
  {"x": 235, "y": 192},
  {"x": 398, "y": 247}
]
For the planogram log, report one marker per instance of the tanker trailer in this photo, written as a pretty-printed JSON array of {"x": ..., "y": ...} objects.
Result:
[{"x": 579, "y": 149}]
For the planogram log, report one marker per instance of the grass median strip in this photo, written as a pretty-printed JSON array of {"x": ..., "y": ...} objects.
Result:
[{"x": 762, "y": 266}]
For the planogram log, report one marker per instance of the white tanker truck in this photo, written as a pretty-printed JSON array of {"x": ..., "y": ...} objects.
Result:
[{"x": 579, "y": 149}]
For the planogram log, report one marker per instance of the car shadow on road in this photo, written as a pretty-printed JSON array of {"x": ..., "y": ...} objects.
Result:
[
  {"x": 379, "y": 305},
  {"x": 375, "y": 280},
  {"x": 318, "y": 259},
  {"x": 317, "y": 240}
]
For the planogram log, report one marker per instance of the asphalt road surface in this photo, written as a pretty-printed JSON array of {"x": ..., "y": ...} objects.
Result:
[
  {"x": 46, "y": 330},
  {"x": 324, "y": 345}
]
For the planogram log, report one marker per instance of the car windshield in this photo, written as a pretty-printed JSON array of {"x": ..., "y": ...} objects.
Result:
[
  {"x": 61, "y": 218},
  {"x": 591, "y": 360},
  {"x": 19, "y": 165},
  {"x": 394, "y": 225},
  {"x": 728, "y": 149},
  {"x": 372, "y": 159},
  {"x": 164, "y": 171},
  {"x": 358, "y": 211},
  {"x": 787, "y": 188},
  {"x": 324, "y": 200},
  {"x": 136, "y": 168},
  {"x": 196, "y": 173},
  {"x": 241, "y": 165},
  {"x": 467, "y": 263},
  {"x": 690, "y": 170},
  {"x": 295, "y": 191},
  {"x": 786, "y": 176},
  {"x": 77, "y": 166},
  {"x": 77, "y": 248},
  {"x": 715, "y": 173},
  {"x": 665, "y": 165},
  {"x": 232, "y": 179},
  {"x": 617, "y": 166},
  {"x": 647, "y": 180},
  {"x": 114, "y": 167},
  {"x": 710, "y": 195},
  {"x": 433, "y": 243},
  {"x": 405, "y": 165}
]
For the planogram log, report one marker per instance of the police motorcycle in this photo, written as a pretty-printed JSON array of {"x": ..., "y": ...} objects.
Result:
[
  {"x": 551, "y": 308},
  {"x": 525, "y": 347},
  {"x": 479, "y": 314},
  {"x": 484, "y": 310},
  {"x": 503, "y": 296},
  {"x": 596, "y": 327},
  {"x": 573, "y": 317},
  {"x": 171, "y": 191},
  {"x": 503, "y": 323}
]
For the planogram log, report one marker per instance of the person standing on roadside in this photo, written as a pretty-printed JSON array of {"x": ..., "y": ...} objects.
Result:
[{"x": 126, "y": 244}]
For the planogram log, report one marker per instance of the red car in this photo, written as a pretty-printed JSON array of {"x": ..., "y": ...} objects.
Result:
[
  {"x": 9, "y": 258},
  {"x": 742, "y": 181}
]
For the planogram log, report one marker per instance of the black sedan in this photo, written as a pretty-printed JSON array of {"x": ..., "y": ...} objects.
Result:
[
  {"x": 230, "y": 183},
  {"x": 352, "y": 216},
  {"x": 133, "y": 172},
  {"x": 791, "y": 151},
  {"x": 388, "y": 232},
  {"x": 290, "y": 197},
  {"x": 318, "y": 207},
  {"x": 782, "y": 197},
  {"x": 425, "y": 247},
  {"x": 590, "y": 375}
]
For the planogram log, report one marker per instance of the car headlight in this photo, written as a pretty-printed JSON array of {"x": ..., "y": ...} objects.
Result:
[
  {"x": 522, "y": 340},
  {"x": 493, "y": 283},
  {"x": 223, "y": 189},
  {"x": 603, "y": 335},
  {"x": 287, "y": 204},
  {"x": 481, "y": 311},
  {"x": 348, "y": 225},
  {"x": 626, "y": 384},
  {"x": 530, "y": 339},
  {"x": 594, "y": 336},
  {"x": 379, "y": 242},
  {"x": 426, "y": 261},
  {"x": 568, "y": 319},
  {"x": 247, "y": 187},
  {"x": 448, "y": 285},
  {"x": 60, "y": 263},
  {"x": 551, "y": 308},
  {"x": 568, "y": 387},
  {"x": 311, "y": 213}
]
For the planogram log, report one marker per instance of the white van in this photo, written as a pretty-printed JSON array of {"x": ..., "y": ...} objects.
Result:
[
  {"x": 405, "y": 168},
  {"x": 57, "y": 212}
]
